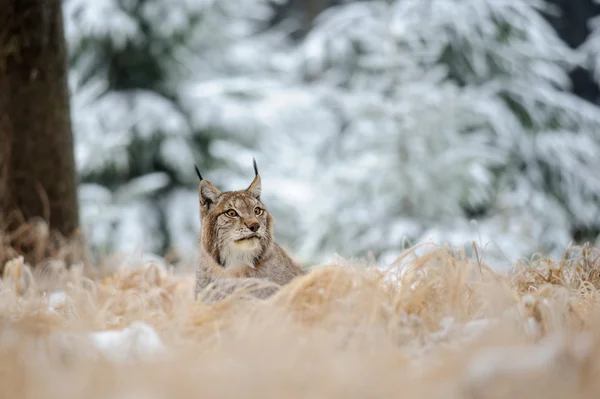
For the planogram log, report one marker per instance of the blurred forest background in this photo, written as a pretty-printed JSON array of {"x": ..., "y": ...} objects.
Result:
[{"x": 375, "y": 124}]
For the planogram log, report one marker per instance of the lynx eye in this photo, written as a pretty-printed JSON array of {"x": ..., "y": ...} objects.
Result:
[
  {"x": 231, "y": 213},
  {"x": 258, "y": 211}
]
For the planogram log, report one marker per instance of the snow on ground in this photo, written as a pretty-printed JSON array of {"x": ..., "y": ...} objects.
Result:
[{"x": 138, "y": 341}]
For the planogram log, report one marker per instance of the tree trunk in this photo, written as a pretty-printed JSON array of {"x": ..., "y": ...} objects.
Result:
[{"x": 37, "y": 167}]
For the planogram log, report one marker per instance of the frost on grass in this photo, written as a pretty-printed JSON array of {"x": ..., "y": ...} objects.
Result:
[{"x": 442, "y": 325}]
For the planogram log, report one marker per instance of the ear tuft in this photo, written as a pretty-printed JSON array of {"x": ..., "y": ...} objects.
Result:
[
  {"x": 208, "y": 193},
  {"x": 255, "y": 187},
  {"x": 198, "y": 173}
]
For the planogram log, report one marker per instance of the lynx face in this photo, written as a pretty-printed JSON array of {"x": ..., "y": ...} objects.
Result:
[{"x": 236, "y": 227}]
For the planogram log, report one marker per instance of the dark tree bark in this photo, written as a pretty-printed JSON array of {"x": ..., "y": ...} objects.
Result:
[
  {"x": 5, "y": 140},
  {"x": 37, "y": 167}
]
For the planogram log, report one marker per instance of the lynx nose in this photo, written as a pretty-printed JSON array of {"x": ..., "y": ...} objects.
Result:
[{"x": 253, "y": 226}]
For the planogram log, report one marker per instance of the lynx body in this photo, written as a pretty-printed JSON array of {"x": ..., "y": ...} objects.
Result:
[{"x": 236, "y": 240}]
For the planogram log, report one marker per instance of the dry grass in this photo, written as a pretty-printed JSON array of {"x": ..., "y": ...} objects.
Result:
[{"x": 441, "y": 326}]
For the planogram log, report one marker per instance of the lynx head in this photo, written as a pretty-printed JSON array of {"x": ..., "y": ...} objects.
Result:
[{"x": 236, "y": 227}]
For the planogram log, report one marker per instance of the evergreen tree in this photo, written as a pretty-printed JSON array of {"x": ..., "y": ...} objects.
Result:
[
  {"x": 452, "y": 111},
  {"x": 159, "y": 86},
  {"x": 390, "y": 120}
]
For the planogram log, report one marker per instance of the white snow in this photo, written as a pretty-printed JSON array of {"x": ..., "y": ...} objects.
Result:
[
  {"x": 138, "y": 341},
  {"x": 377, "y": 129},
  {"x": 492, "y": 362},
  {"x": 56, "y": 299}
]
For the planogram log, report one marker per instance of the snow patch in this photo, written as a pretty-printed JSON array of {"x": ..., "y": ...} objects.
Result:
[
  {"x": 57, "y": 299},
  {"x": 139, "y": 341},
  {"x": 492, "y": 362}
]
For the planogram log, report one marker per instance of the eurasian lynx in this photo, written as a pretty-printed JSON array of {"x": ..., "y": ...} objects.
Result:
[{"x": 236, "y": 238}]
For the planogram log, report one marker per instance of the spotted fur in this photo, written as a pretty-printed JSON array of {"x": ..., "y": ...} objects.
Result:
[{"x": 236, "y": 240}]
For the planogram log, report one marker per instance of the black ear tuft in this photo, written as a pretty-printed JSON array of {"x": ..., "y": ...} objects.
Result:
[
  {"x": 198, "y": 173},
  {"x": 255, "y": 168}
]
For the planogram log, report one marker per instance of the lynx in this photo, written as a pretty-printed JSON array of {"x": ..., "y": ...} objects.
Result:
[{"x": 236, "y": 240}]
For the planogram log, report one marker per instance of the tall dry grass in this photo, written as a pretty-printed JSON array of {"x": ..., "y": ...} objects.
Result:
[{"x": 438, "y": 325}]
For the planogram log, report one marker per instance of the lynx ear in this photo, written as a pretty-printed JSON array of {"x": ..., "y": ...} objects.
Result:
[
  {"x": 208, "y": 194},
  {"x": 255, "y": 187}
]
